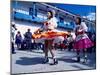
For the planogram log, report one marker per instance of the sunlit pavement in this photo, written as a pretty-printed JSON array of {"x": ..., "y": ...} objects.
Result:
[{"x": 32, "y": 62}]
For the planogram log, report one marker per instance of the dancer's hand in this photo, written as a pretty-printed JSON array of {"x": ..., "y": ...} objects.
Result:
[
  {"x": 45, "y": 23},
  {"x": 37, "y": 31}
]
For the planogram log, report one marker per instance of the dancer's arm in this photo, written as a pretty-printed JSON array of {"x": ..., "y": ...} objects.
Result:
[
  {"x": 41, "y": 29},
  {"x": 37, "y": 31}
]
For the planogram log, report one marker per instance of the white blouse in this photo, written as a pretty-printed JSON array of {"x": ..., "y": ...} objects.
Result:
[
  {"x": 81, "y": 27},
  {"x": 52, "y": 24}
]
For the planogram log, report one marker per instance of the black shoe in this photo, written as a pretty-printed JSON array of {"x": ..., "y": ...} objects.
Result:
[
  {"x": 78, "y": 59},
  {"x": 46, "y": 60},
  {"x": 85, "y": 60},
  {"x": 13, "y": 52},
  {"x": 55, "y": 62}
]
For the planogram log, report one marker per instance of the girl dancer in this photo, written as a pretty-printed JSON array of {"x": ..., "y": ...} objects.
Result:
[
  {"x": 82, "y": 41},
  {"x": 48, "y": 32}
]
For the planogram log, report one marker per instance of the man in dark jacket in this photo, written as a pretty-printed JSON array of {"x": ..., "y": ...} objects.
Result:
[{"x": 28, "y": 38}]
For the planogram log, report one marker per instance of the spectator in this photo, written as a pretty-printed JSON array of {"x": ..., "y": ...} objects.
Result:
[
  {"x": 18, "y": 40},
  {"x": 13, "y": 29},
  {"x": 70, "y": 41},
  {"x": 28, "y": 38}
]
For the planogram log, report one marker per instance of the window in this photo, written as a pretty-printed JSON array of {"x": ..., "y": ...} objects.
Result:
[
  {"x": 61, "y": 19},
  {"x": 22, "y": 11},
  {"x": 31, "y": 11},
  {"x": 41, "y": 15}
]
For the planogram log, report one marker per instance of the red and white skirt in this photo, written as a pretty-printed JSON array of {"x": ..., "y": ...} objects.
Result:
[{"x": 49, "y": 35}]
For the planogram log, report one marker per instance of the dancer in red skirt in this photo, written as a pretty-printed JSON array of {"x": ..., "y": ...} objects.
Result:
[
  {"x": 49, "y": 35},
  {"x": 82, "y": 41}
]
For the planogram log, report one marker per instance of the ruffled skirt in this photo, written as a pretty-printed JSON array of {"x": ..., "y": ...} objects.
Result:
[{"x": 49, "y": 35}]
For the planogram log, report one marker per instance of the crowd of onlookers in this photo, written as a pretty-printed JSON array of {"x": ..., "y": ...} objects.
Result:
[{"x": 27, "y": 43}]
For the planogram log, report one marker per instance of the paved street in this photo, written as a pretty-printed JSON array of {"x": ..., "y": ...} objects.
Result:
[{"x": 31, "y": 62}]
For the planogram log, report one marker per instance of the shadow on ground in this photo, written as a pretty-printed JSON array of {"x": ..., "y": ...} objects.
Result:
[{"x": 29, "y": 61}]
